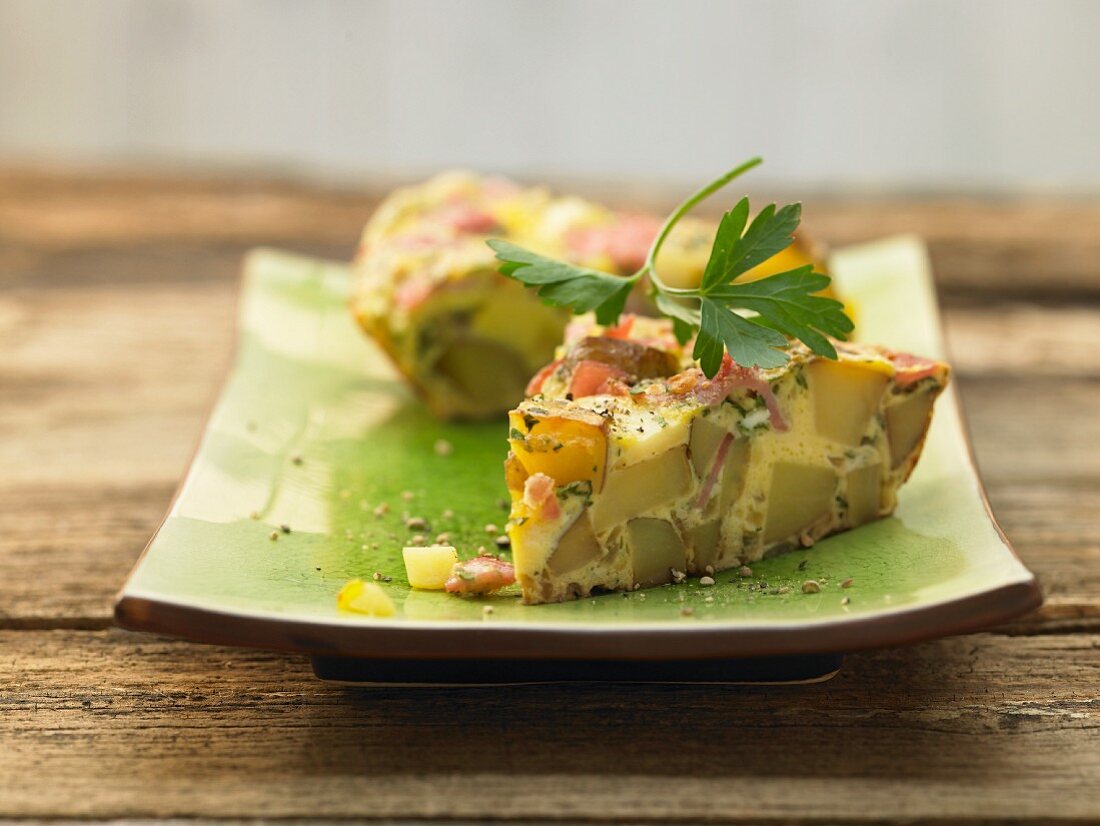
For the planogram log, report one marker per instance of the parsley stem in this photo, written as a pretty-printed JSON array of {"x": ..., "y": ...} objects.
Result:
[
  {"x": 681, "y": 211},
  {"x": 751, "y": 322}
]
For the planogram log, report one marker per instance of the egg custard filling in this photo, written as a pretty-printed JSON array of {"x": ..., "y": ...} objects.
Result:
[
  {"x": 628, "y": 468},
  {"x": 428, "y": 290}
]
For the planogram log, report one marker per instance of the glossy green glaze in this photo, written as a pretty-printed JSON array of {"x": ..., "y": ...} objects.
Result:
[{"x": 313, "y": 431}]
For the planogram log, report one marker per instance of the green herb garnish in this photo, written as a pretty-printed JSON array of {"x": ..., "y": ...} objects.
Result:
[
  {"x": 780, "y": 307},
  {"x": 582, "y": 489}
]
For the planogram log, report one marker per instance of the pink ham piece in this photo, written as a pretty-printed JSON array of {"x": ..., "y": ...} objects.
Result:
[
  {"x": 534, "y": 387},
  {"x": 622, "y": 329},
  {"x": 729, "y": 377},
  {"x": 412, "y": 292},
  {"x": 626, "y": 242},
  {"x": 911, "y": 368},
  {"x": 480, "y": 575},
  {"x": 715, "y": 470},
  {"x": 416, "y": 242},
  {"x": 469, "y": 219},
  {"x": 540, "y": 496},
  {"x": 593, "y": 378}
]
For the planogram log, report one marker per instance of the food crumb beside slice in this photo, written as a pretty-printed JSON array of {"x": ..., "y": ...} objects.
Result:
[
  {"x": 628, "y": 466},
  {"x": 429, "y": 568},
  {"x": 367, "y": 598}
]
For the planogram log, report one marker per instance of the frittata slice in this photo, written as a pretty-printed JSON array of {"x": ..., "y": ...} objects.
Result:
[
  {"x": 466, "y": 337},
  {"x": 628, "y": 468}
]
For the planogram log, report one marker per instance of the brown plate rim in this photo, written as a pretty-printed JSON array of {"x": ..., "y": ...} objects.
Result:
[{"x": 968, "y": 614}]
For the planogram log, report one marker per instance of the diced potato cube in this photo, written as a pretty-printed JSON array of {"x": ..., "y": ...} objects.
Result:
[
  {"x": 846, "y": 395},
  {"x": 706, "y": 436},
  {"x": 657, "y": 549},
  {"x": 705, "y": 540},
  {"x": 429, "y": 568},
  {"x": 906, "y": 424},
  {"x": 637, "y": 488},
  {"x": 798, "y": 497},
  {"x": 733, "y": 475},
  {"x": 367, "y": 598},
  {"x": 576, "y": 548},
  {"x": 864, "y": 494},
  {"x": 567, "y": 444}
]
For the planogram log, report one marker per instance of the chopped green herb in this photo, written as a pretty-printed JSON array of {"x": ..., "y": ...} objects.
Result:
[{"x": 582, "y": 489}]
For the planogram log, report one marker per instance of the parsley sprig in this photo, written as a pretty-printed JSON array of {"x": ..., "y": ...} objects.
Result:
[{"x": 780, "y": 307}]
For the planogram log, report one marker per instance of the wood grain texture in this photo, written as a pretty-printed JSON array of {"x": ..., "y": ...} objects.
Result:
[
  {"x": 988, "y": 727},
  {"x": 116, "y": 315}
]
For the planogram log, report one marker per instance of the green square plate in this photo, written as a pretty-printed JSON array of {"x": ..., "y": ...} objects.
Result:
[{"x": 314, "y": 432}]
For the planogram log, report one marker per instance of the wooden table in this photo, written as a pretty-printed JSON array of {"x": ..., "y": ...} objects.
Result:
[{"x": 116, "y": 310}]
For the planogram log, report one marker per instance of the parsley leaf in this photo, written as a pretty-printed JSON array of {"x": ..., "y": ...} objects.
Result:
[
  {"x": 768, "y": 234},
  {"x": 782, "y": 306},
  {"x": 728, "y": 236},
  {"x": 787, "y": 302},
  {"x": 564, "y": 285},
  {"x": 721, "y": 328}
]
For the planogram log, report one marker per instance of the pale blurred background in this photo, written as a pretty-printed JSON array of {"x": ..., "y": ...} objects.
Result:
[{"x": 920, "y": 95}]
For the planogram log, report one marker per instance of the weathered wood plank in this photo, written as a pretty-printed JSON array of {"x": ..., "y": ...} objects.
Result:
[
  {"x": 65, "y": 551},
  {"x": 1055, "y": 529},
  {"x": 1023, "y": 246},
  {"x": 153, "y": 263},
  {"x": 1033, "y": 428},
  {"x": 1029, "y": 247},
  {"x": 45, "y": 209},
  {"x": 110, "y": 385},
  {"x": 1011, "y": 339},
  {"x": 986, "y": 727}
]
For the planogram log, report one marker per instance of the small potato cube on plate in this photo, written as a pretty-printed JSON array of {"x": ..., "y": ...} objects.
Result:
[
  {"x": 429, "y": 568},
  {"x": 368, "y": 598}
]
